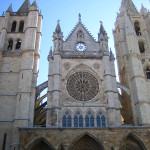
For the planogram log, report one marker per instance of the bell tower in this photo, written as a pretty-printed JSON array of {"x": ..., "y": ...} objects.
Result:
[
  {"x": 132, "y": 40},
  {"x": 20, "y": 38}
]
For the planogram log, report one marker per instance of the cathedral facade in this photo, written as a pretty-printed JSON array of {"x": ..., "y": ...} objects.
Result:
[{"x": 84, "y": 109}]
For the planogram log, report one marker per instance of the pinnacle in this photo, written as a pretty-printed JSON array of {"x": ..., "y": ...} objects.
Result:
[
  {"x": 34, "y": 3},
  {"x": 129, "y": 6},
  {"x": 10, "y": 8},
  {"x": 58, "y": 29}
]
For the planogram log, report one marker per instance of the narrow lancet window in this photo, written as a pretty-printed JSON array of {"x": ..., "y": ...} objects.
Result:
[
  {"x": 137, "y": 28},
  {"x": 147, "y": 73},
  {"x": 18, "y": 44},
  {"x": 78, "y": 120},
  {"x": 66, "y": 120},
  {"x": 21, "y": 26},
  {"x": 13, "y": 27},
  {"x": 101, "y": 121},
  {"x": 141, "y": 47},
  {"x": 10, "y": 44}
]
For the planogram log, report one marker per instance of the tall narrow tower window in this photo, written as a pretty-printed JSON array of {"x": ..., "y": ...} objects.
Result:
[
  {"x": 141, "y": 47},
  {"x": 13, "y": 27},
  {"x": 18, "y": 44},
  {"x": 10, "y": 44},
  {"x": 148, "y": 73},
  {"x": 137, "y": 28},
  {"x": 21, "y": 26}
]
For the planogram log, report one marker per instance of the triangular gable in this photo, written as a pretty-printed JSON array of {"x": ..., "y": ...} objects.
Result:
[{"x": 75, "y": 30}]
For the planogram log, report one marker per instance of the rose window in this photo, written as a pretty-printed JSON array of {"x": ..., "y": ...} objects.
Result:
[{"x": 82, "y": 86}]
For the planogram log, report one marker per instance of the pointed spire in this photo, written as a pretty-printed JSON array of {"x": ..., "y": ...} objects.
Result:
[
  {"x": 102, "y": 30},
  {"x": 25, "y": 7},
  {"x": 34, "y": 3},
  {"x": 9, "y": 9},
  {"x": 58, "y": 29},
  {"x": 129, "y": 6},
  {"x": 79, "y": 17}
]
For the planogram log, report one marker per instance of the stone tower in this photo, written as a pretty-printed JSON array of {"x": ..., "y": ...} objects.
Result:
[
  {"x": 20, "y": 36},
  {"x": 132, "y": 43},
  {"x": 82, "y": 88}
]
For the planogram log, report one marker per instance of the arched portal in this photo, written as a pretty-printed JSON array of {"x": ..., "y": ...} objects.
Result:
[
  {"x": 40, "y": 144},
  {"x": 87, "y": 142},
  {"x": 132, "y": 143}
]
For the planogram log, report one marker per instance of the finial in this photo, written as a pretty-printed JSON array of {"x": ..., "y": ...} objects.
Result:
[
  {"x": 101, "y": 22},
  {"x": 3, "y": 13},
  {"x": 58, "y": 21},
  {"x": 79, "y": 17}
]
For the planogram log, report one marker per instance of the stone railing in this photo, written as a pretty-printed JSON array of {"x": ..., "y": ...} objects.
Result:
[{"x": 84, "y": 54}]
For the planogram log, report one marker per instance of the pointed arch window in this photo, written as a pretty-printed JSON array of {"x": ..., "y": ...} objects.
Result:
[
  {"x": 147, "y": 73},
  {"x": 78, "y": 120},
  {"x": 89, "y": 120},
  {"x": 10, "y": 44},
  {"x": 21, "y": 26},
  {"x": 13, "y": 27},
  {"x": 142, "y": 47},
  {"x": 80, "y": 34},
  {"x": 18, "y": 44},
  {"x": 101, "y": 121},
  {"x": 137, "y": 28},
  {"x": 66, "y": 120}
]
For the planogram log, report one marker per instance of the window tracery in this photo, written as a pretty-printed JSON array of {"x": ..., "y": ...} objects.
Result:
[
  {"x": 82, "y": 86},
  {"x": 66, "y": 120},
  {"x": 101, "y": 121},
  {"x": 78, "y": 120},
  {"x": 89, "y": 120}
]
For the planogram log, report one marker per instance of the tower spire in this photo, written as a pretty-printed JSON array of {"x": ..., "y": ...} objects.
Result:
[
  {"x": 129, "y": 6},
  {"x": 58, "y": 29},
  {"x": 25, "y": 7}
]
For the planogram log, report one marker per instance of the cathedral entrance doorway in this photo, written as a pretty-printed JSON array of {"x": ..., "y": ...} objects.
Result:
[
  {"x": 87, "y": 143},
  {"x": 132, "y": 143},
  {"x": 40, "y": 144}
]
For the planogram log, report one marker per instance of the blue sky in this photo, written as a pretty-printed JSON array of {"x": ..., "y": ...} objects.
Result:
[{"x": 92, "y": 12}]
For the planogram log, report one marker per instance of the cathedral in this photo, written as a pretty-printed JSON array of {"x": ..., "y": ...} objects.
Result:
[{"x": 84, "y": 108}]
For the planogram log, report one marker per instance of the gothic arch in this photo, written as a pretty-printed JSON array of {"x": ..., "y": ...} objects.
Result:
[
  {"x": 86, "y": 142},
  {"x": 40, "y": 143},
  {"x": 82, "y": 67},
  {"x": 132, "y": 142}
]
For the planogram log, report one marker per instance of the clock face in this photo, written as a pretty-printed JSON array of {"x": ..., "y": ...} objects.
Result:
[
  {"x": 82, "y": 86},
  {"x": 81, "y": 47}
]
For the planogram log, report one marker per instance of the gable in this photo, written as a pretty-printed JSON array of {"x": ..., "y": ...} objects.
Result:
[{"x": 80, "y": 34}]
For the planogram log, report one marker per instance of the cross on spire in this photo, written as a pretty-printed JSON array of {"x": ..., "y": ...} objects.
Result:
[
  {"x": 58, "y": 21},
  {"x": 79, "y": 17}
]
